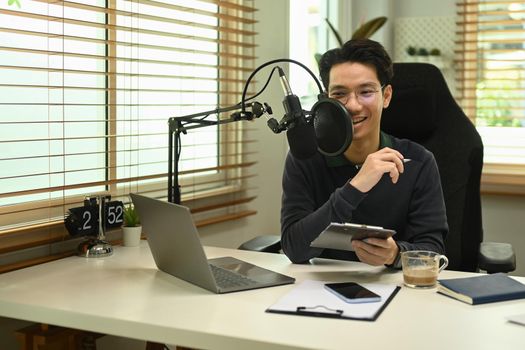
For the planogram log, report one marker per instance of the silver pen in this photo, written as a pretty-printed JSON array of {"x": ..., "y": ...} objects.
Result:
[{"x": 405, "y": 160}]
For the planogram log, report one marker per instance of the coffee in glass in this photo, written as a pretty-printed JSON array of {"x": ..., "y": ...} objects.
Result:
[{"x": 421, "y": 268}]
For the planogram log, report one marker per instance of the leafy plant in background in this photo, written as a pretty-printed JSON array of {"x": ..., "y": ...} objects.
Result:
[
  {"x": 365, "y": 31},
  {"x": 414, "y": 51},
  {"x": 11, "y": 2},
  {"x": 411, "y": 51},
  {"x": 422, "y": 52},
  {"x": 493, "y": 105}
]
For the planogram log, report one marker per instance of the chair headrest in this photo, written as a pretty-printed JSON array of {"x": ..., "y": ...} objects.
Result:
[{"x": 413, "y": 110}]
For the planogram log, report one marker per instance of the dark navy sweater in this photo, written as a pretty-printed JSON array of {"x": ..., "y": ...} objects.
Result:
[{"x": 316, "y": 192}]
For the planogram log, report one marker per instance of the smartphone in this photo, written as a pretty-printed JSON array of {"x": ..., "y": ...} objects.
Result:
[{"x": 352, "y": 292}]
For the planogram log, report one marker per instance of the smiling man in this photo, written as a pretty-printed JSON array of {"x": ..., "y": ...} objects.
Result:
[{"x": 379, "y": 180}]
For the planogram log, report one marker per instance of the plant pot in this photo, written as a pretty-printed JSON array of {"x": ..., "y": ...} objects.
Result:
[{"x": 131, "y": 236}]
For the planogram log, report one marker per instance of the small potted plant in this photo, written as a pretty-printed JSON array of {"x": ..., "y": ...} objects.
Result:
[
  {"x": 411, "y": 51},
  {"x": 131, "y": 229}
]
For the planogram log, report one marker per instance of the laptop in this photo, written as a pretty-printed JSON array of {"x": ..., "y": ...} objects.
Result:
[{"x": 177, "y": 250}]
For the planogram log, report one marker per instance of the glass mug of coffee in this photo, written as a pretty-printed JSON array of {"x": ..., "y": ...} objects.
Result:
[{"x": 421, "y": 268}]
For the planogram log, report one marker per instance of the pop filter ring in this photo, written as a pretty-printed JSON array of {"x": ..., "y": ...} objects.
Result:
[{"x": 348, "y": 126}]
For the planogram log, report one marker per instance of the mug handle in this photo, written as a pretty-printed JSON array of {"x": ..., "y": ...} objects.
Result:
[{"x": 445, "y": 262}]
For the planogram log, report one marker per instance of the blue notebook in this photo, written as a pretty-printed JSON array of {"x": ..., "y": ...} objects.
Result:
[{"x": 482, "y": 289}]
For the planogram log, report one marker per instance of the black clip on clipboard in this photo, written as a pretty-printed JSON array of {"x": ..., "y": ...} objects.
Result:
[
  {"x": 325, "y": 304},
  {"x": 316, "y": 311}
]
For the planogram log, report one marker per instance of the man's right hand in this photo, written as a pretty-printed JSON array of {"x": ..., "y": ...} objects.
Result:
[{"x": 386, "y": 160}]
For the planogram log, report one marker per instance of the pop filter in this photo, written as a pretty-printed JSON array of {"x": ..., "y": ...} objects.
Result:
[{"x": 332, "y": 126}]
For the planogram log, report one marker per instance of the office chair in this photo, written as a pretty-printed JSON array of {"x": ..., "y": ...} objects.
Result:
[{"x": 423, "y": 110}]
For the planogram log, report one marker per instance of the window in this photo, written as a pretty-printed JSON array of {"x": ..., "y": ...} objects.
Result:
[
  {"x": 86, "y": 90},
  {"x": 309, "y": 35},
  {"x": 491, "y": 76}
]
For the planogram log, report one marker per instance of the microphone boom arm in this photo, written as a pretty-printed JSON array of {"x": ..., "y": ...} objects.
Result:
[{"x": 182, "y": 124}]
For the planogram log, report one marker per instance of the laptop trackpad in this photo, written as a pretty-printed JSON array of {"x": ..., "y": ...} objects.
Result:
[{"x": 248, "y": 270}]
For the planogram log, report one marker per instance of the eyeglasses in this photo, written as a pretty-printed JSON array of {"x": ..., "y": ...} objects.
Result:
[{"x": 364, "y": 95}]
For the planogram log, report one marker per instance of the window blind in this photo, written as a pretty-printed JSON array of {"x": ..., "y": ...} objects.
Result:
[
  {"x": 86, "y": 90},
  {"x": 490, "y": 48}
]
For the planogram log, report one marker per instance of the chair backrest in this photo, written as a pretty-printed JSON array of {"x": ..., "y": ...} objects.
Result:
[{"x": 423, "y": 110}]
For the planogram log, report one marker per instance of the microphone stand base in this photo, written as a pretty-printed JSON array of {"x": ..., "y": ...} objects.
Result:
[{"x": 94, "y": 248}]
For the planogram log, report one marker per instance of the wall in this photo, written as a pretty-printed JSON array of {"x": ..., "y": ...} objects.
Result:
[
  {"x": 503, "y": 221},
  {"x": 424, "y": 8}
]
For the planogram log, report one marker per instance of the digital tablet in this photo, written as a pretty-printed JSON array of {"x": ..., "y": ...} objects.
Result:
[{"x": 340, "y": 235}]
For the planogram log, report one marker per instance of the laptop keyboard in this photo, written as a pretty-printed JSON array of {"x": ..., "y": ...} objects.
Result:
[{"x": 228, "y": 279}]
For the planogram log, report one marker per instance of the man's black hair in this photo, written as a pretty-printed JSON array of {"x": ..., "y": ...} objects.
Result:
[{"x": 364, "y": 51}]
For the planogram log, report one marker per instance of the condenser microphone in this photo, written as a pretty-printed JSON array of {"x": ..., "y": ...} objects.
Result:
[
  {"x": 299, "y": 133},
  {"x": 328, "y": 130}
]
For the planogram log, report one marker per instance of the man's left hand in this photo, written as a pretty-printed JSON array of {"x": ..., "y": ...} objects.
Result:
[{"x": 376, "y": 251}]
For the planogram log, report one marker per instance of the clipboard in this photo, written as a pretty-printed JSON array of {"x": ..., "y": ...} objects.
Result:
[
  {"x": 340, "y": 235},
  {"x": 310, "y": 298}
]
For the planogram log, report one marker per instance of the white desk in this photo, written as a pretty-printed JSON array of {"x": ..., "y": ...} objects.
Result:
[{"x": 125, "y": 295}]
